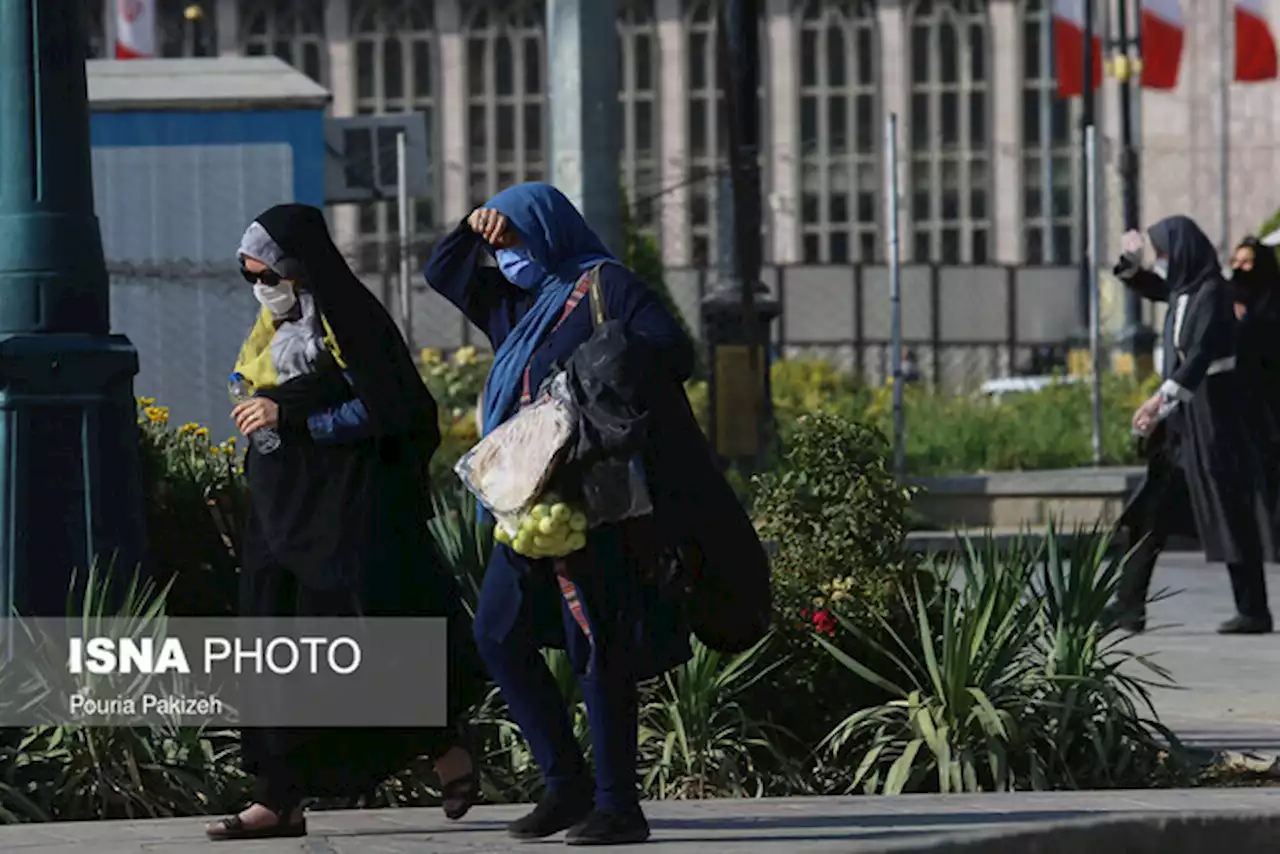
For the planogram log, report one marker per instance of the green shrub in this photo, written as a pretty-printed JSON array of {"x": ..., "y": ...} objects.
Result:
[
  {"x": 1046, "y": 429},
  {"x": 195, "y": 502},
  {"x": 1007, "y": 680},
  {"x": 836, "y": 515},
  {"x": 801, "y": 386},
  {"x": 837, "y": 522}
]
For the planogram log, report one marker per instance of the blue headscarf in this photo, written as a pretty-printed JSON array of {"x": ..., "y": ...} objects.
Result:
[{"x": 554, "y": 234}]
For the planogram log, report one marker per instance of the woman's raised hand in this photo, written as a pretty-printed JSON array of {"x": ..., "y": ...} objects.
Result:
[
  {"x": 1132, "y": 243},
  {"x": 492, "y": 226}
]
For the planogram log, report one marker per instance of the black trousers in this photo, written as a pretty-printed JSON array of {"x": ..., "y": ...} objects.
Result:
[
  {"x": 291, "y": 764},
  {"x": 1150, "y": 526}
]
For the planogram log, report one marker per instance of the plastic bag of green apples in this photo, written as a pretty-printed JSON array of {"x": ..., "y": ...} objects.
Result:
[{"x": 551, "y": 528}]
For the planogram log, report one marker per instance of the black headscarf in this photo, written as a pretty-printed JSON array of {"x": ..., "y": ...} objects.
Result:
[
  {"x": 378, "y": 359},
  {"x": 1192, "y": 258},
  {"x": 1259, "y": 285}
]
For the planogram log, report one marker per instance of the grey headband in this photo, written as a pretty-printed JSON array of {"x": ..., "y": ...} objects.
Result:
[{"x": 257, "y": 243}]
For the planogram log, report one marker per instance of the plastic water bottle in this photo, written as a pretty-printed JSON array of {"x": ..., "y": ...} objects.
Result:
[{"x": 265, "y": 439}]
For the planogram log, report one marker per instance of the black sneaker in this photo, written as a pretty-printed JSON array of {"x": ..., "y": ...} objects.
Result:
[
  {"x": 610, "y": 828},
  {"x": 1242, "y": 625},
  {"x": 1118, "y": 616},
  {"x": 554, "y": 813}
]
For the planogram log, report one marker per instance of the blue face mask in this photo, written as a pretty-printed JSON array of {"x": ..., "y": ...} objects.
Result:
[{"x": 520, "y": 269}]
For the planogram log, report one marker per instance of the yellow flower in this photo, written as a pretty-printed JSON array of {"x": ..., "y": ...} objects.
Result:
[
  {"x": 187, "y": 428},
  {"x": 146, "y": 401},
  {"x": 431, "y": 356},
  {"x": 465, "y": 356},
  {"x": 215, "y": 450},
  {"x": 202, "y": 432},
  {"x": 231, "y": 440},
  {"x": 157, "y": 414}
]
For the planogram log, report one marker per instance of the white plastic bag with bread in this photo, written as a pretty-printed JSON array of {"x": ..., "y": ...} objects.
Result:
[{"x": 508, "y": 469}]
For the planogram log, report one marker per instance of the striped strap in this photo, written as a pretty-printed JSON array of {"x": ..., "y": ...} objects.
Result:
[
  {"x": 573, "y": 599},
  {"x": 579, "y": 291}
]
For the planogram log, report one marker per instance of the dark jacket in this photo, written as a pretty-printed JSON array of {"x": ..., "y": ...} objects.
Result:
[{"x": 1207, "y": 435}]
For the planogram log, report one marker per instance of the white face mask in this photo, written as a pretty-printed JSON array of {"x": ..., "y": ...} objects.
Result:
[
  {"x": 277, "y": 299},
  {"x": 1161, "y": 268}
]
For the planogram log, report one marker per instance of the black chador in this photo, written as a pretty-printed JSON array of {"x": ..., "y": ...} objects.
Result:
[{"x": 1204, "y": 471}]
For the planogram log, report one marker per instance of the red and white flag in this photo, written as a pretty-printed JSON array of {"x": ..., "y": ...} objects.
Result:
[
  {"x": 135, "y": 29},
  {"x": 1068, "y": 38},
  {"x": 1162, "y": 35},
  {"x": 1255, "y": 45}
]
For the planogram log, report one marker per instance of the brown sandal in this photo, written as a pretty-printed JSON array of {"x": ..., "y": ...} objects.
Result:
[
  {"x": 233, "y": 828},
  {"x": 460, "y": 794}
]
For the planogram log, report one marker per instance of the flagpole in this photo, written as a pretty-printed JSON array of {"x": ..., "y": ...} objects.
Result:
[
  {"x": 1048, "y": 247},
  {"x": 1086, "y": 121},
  {"x": 1226, "y": 11},
  {"x": 1138, "y": 339}
]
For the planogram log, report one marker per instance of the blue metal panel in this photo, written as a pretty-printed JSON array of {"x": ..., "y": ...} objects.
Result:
[
  {"x": 302, "y": 130},
  {"x": 177, "y": 210}
]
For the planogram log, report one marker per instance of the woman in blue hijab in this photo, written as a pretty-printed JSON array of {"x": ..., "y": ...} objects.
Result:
[{"x": 530, "y": 307}]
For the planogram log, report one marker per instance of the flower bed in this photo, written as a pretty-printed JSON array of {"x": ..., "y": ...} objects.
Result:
[{"x": 885, "y": 672}]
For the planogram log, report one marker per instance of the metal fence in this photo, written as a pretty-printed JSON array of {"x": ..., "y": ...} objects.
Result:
[{"x": 963, "y": 325}]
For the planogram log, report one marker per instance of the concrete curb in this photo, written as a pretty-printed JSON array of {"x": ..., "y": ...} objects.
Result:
[
  {"x": 1089, "y": 481},
  {"x": 950, "y": 542},
  {"x": 1189, "y": 833},
  {"x": 1011, "y": 499},
  {"x": 946, "y": 542}
]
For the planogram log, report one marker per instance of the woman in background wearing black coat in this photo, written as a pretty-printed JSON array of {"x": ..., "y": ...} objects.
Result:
[
  {"x": 1202, "y": 444},
  {"x": 1255, "y": 286}
]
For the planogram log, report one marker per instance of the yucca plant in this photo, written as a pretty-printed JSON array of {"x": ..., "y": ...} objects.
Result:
[
  {"x": 463, "y": 541},
  {"x": 1104, "y": 728},
  {"x": 958, "y": 717},
  {"x": 62, "y": 772},
  {"x": 698, "y": 740},
  {"x": 1009, "y": 680}
]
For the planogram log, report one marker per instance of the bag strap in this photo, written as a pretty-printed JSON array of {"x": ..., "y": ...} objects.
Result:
[
  {"x": 596, "y": 291},
  {"x": 587, "y": 287}
]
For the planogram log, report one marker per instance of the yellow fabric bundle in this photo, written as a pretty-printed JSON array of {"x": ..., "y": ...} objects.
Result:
[{"x": 254, "y": 361}]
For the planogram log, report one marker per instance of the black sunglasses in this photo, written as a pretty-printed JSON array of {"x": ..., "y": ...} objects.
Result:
[{"x": 268, "y": 277}]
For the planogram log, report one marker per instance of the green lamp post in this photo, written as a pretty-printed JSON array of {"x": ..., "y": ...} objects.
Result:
[{"x": 70, "y": 487}]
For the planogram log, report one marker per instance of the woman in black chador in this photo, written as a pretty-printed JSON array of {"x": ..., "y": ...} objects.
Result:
[
  {"x": 1204, "y": 473},
  {"x": 337, "y": 526},
  {"x": 1255, "y": 287}
]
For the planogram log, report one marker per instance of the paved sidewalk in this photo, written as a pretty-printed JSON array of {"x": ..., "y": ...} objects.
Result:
[
  {"x": 851, "y": 825},
  {"x": 1228, "y": 694}
]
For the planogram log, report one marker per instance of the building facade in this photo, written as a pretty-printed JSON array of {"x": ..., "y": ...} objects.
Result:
[{"x": 965, "y": 77}]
